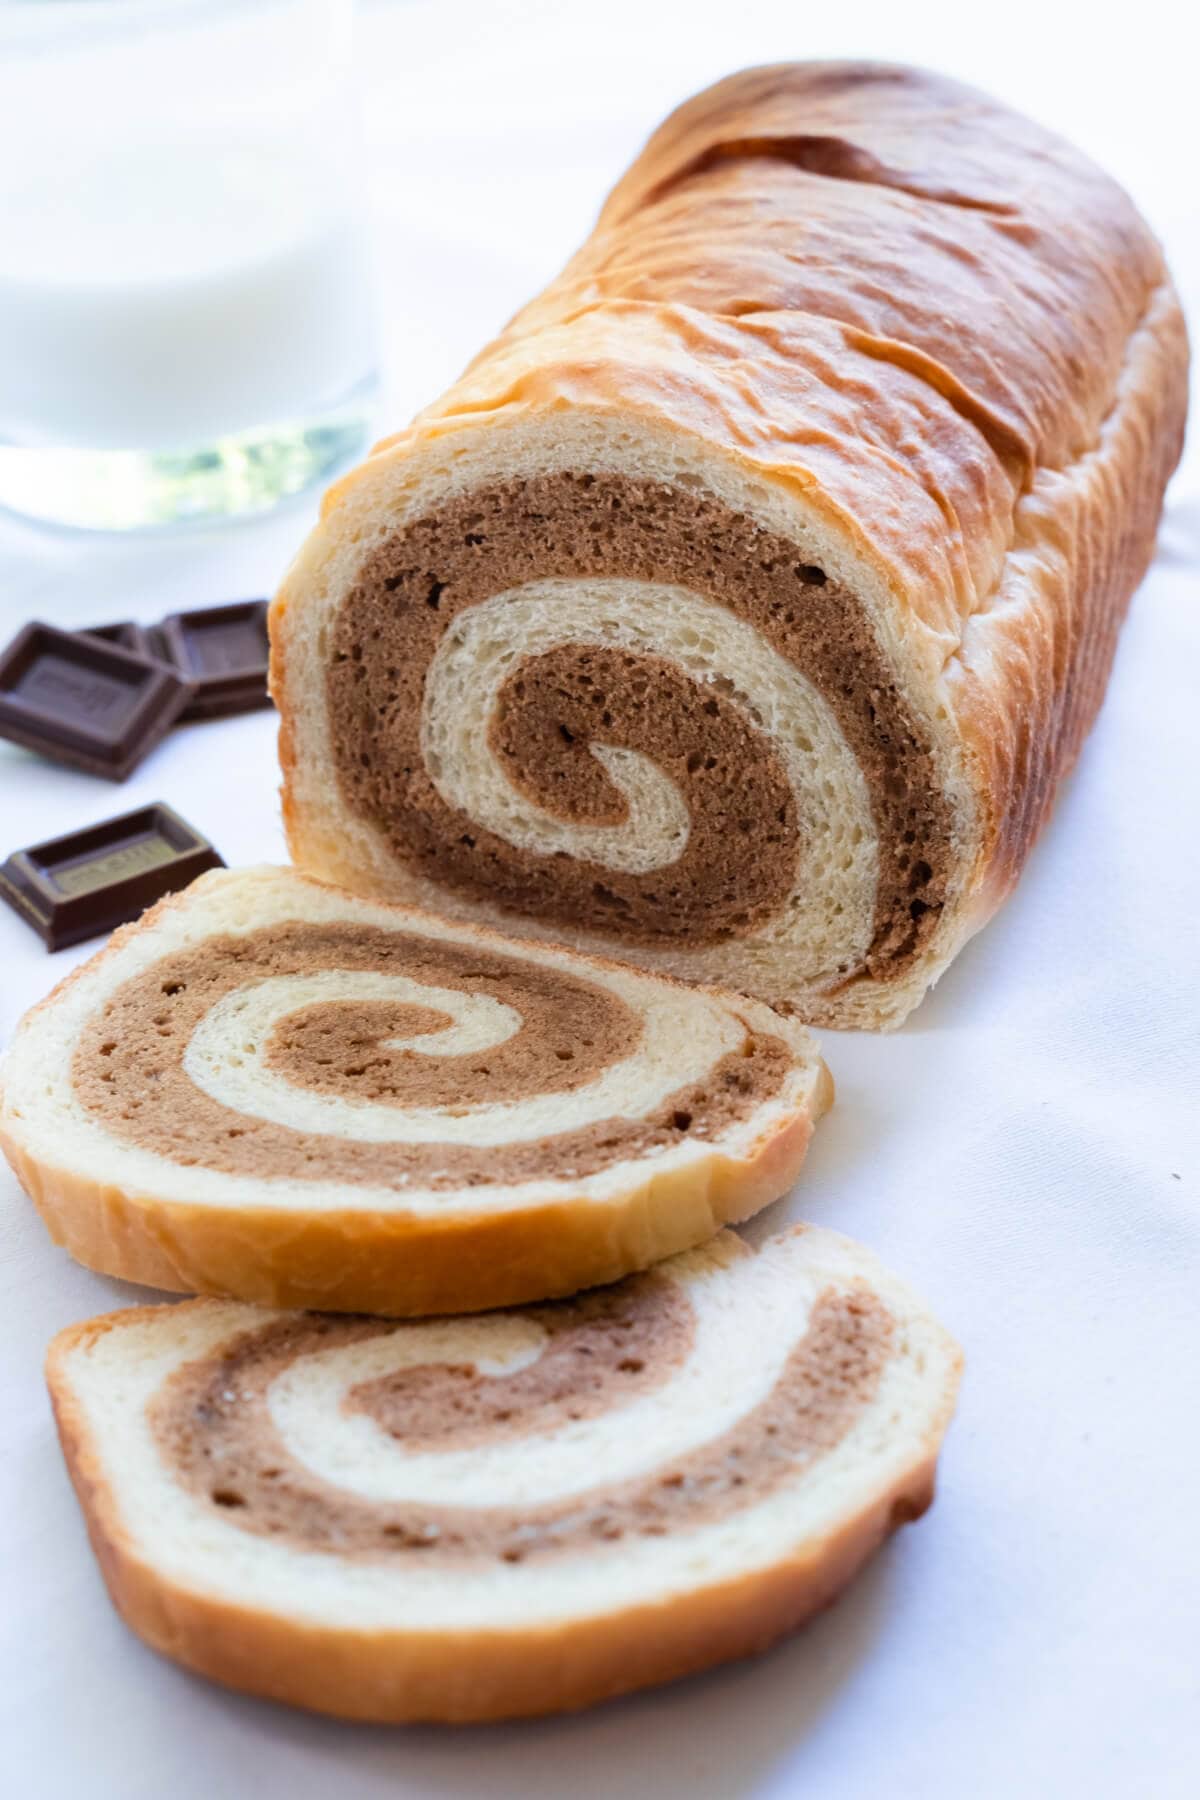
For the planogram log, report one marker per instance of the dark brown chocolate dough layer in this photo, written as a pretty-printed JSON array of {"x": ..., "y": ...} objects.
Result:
[
  {"x": 128, "y": 1066},
  {"x": 213, "y": 1426},
  {"x": 746, "y": 840},
  {"x": 615, "y": 1342},
  {"x": 739, "y": 797}
]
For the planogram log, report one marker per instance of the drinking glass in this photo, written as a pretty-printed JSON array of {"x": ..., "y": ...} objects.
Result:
[{"x": 185, "y": 301}]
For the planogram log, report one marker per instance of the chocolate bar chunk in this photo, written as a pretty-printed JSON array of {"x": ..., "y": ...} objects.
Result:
[
  {"x": 84, "y": 884},
  {"x": 221, "y": 652},
  {"x": 126, "y": 635},
  {"x": 82, "y": 701}
]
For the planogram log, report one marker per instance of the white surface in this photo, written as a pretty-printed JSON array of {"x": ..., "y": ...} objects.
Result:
[{"x": 1025, "y": 1151}]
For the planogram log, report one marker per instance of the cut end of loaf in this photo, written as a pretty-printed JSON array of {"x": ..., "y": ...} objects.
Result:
[{"x": 596, "y": 700}]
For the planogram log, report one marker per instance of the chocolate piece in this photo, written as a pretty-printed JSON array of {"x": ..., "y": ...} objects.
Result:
[
  {"x": 221, "y": 652},
  {"x": 126, "y": 635},
  {"x": 79, "y": 700},
  {"x": 84, "y": 884}
]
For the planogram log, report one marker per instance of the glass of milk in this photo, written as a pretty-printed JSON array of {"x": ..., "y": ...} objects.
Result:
[{"x": 185, "y": 307}]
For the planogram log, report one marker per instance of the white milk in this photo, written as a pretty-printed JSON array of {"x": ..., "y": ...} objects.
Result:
[
  {"x": 180, "y": 258},
  {"x": 175, "y": 299}
]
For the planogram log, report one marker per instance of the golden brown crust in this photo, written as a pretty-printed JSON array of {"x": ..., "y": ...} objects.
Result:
[
  {"x": 931, "y": 327},
  {"x": 404, "y": 1265},
  {"x": 1030, "y": 672},
  {"x": 464, "y": 1676}
]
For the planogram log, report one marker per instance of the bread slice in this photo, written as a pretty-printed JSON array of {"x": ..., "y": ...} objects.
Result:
[
  {"x": 272, "y": 1090},
  {"x": 475, "y": 1519}
]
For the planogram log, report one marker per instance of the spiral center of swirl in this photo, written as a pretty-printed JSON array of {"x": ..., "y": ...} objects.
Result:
[
  {"x": 623, "y": 707},
  {"x": 355, "y": 1054},
  {"x": 368, "y": 1439}
]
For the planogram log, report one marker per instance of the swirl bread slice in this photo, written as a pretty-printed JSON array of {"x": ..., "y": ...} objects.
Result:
[
  {"x": 273, "y": 1090},
  {"x": 513, "y": 1514},
  {"x": 741, "y": 607}
]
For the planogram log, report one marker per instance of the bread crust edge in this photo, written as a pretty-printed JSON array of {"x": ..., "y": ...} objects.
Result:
[{"x": 403, "y": 1265}]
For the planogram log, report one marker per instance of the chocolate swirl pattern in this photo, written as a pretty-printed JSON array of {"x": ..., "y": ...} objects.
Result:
[
  {"x": 673, "y": 766},
  {"x": 273, "y": 1090},
  {"x": 740, "y": 608},
  {"x": 716, "y": 1444},
  {"x": 471, "y": 677}
]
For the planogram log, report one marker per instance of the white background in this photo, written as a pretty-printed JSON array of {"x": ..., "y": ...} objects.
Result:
[{"x": 1025, "y": 1151}]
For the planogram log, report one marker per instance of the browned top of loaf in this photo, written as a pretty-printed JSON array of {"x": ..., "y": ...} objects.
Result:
[
  {"x": 870, "y": 282},
  {"x": 936, "y": 322}
]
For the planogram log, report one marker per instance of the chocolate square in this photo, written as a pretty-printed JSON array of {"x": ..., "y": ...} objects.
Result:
[
  {"x": 82, "y": 701},
  {"x": 126, "y": 634},
  {"x": 82, "y": 885},
  {"x": 221, "y": 652}
]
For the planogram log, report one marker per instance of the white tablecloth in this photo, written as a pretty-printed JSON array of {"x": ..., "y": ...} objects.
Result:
[{"x": 1025, "y": 1151}]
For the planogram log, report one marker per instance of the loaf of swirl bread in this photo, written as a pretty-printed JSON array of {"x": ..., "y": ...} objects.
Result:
[
  {"x": 741, "y": 607},
  {"x": 511, "y": 1514},
  {"x": 272, "y": 1090}
]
